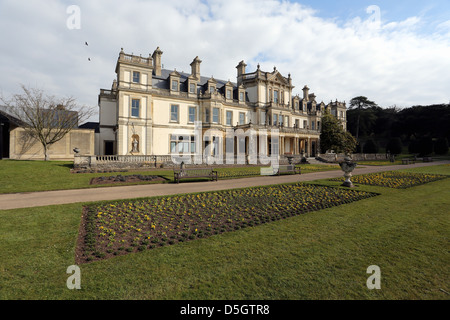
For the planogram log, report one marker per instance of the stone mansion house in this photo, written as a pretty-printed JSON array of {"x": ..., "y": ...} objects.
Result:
[{"x": 147, "y": 106}]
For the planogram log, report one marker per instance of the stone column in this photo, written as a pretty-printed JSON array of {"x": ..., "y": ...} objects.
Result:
[{"x": 309, "y": 147}]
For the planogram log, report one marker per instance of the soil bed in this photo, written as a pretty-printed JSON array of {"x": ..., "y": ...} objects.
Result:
[{"x": 125, "y": 179}]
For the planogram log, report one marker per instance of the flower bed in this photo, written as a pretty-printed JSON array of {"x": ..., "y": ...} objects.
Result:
[
  {"x": 127, "y": 226},
  {"x": 394, "y": 179}
]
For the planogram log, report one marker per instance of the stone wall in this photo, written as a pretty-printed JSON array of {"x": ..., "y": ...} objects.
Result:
[
  {"x": 334, "y": 158},
  {"x": 25, "y": 148}
]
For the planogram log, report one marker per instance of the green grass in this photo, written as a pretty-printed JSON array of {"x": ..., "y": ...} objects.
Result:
[
  {"x": 317, "y": 255},
  {"x": 379, "y": 163},
  {"x": 28, "y": 176}
]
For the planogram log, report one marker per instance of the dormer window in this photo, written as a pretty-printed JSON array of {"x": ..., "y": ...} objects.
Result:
[
  {"x": 212, "y": 89},
  {"x": 174, "y": 82},
  {"x": 174, "y": 85},
  {"x": 228, "y": 94},
  {"x": 192, "y": 88},
  {"x": 241, "y": 96}
]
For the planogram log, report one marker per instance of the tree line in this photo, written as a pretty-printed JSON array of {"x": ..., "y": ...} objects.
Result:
[{"x": 421, "y": 130}]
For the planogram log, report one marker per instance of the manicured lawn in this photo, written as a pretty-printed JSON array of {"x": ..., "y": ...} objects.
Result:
[
  {"x": 28, "y": 176},
  {"x": 378, "y": 163},
  {"x": 316, "y": 255}
]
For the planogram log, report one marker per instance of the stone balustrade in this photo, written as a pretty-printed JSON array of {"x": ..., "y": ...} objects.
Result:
[{"x": 110, "y": 163}]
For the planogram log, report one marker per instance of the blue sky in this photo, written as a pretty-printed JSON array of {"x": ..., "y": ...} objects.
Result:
[
  {"x": 393, "y": 10},
  {"x": 337, "y": 48}
]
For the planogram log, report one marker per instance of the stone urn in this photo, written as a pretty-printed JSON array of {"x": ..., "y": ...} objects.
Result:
[{"x": 347, "y": 166}]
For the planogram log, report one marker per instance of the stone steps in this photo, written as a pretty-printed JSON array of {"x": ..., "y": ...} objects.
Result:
[{"x": 312, "y": 160}]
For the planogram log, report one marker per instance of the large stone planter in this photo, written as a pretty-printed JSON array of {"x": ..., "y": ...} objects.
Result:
[{"x": 348, "y": 166}]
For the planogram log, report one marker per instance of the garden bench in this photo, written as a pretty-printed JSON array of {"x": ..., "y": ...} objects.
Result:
[
  {"x": 288, "y": 169},
  {"x": 408, "y": 161},
  {"x": 427, "y": 159},
  {"x": 270, "y": 171},
  {"x": 179, "y": 174}
]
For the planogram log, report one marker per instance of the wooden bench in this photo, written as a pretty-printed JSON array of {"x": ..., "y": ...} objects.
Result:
[
  {"x": 288, "y": 169},
  {"x": 179, "y": 174},
  {"x": 427, "y": 159},
  {"x": 408, "y": 161}
]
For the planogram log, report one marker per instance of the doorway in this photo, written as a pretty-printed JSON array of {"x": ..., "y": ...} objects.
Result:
[
  {"x": 4, "y": 140},
  {"x": 109, "y": 148}
]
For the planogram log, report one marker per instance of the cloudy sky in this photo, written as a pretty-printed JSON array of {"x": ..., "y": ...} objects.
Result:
[{"x": 393, "y": 52}]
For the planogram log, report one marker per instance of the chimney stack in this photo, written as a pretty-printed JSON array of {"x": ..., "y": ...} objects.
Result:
[
  {"x": 157, "y": 61},
  {"x": 305, "y": 93},
  {"x": 240, "y": 71},
  {"x": 195, "y": 67}
]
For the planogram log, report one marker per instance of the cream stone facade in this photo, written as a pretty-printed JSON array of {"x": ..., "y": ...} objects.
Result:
[{"x": 147, "y": 106}]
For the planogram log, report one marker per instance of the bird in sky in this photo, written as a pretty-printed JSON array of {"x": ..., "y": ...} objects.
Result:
[{"x": 86, "y": 43}]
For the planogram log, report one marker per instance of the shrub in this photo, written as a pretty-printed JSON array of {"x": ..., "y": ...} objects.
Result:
[{"x": 441, "y": 146}]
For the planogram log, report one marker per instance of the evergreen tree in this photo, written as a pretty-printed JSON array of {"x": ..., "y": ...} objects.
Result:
[
  {"x": 334, "y": 137},
  {"x": 360, "y": 103}
]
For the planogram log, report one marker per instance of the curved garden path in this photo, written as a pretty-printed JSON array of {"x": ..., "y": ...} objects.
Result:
[{"x": 45, "y": 198}]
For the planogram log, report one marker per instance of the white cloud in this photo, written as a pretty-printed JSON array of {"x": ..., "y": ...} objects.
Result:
[{"x": 389, "y": 62}]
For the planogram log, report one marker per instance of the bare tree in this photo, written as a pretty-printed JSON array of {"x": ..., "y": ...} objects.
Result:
[{"x": 45, "y": 118}]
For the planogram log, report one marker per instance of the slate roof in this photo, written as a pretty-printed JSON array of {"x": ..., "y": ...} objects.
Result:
[{"x": 163, "y": 83}]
